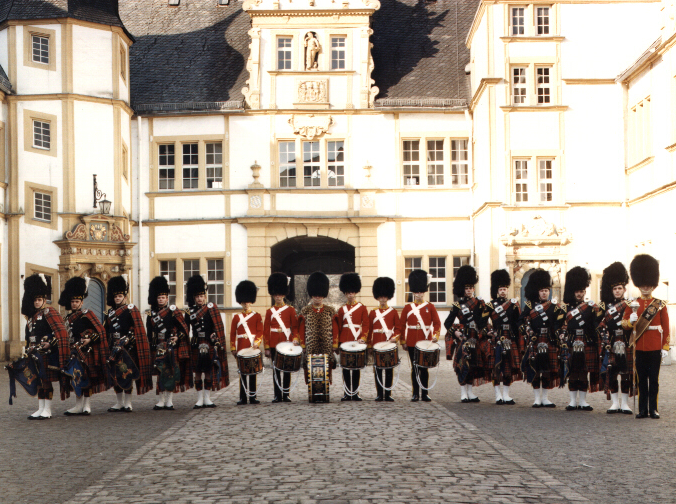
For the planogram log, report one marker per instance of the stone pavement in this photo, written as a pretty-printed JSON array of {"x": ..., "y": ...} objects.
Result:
[{"x": 442, "y": 451}]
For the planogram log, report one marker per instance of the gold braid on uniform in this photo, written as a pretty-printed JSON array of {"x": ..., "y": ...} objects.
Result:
[{"x": 319, "y": 331}]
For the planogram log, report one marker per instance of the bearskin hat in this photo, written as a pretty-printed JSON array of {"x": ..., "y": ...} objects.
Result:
[
  {"x": 613, "y": 275},
  {"x": 157, "y": 287},
  {"x": 116, "y": 285},
  {"x": 278, "y": 284},
  {"x": 349, "y": 282},
  {"x": 318, "y": 285},
  {"x": 499, "y": 278},
  {"x": 577, "y": 279},
  {"x": 645, "y": 271},
  {"x": 466, "y": 275},
  {"x": 75, "y": 288},
  {"x": 34, "y": 286},
  {"x": 417, "y": 281},
  {"x": 383, "y": 287},
  {"x": 538, "y": 280},
  {"x": 245, "y": 292},
  {"x": 195, "y": 286}
]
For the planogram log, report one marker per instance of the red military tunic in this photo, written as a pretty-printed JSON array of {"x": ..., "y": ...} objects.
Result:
[
  {"x": 273, "y": 334},
  {"x": 410, "y": 327},
  {"x": 238, "y": 336},
  {"x": 377, "y": 331},
  {"x": 651, "y": 339},
  {"x": 359, "y": 316}
]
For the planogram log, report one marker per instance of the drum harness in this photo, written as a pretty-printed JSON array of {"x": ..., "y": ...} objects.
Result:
[
  {"x": 356, "y": 332},
  {"x": 287, "y": 332},
  {"x": 380, "y": 317},
  {"x": 243, "y": 322},
  {"x": 427, "y": 330}
]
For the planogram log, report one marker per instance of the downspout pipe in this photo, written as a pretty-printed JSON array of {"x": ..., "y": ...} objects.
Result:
[{"x": 139, "y": 213}]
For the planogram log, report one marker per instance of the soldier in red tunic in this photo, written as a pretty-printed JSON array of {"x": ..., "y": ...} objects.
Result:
[
  {"x": 384, "y": 326},
  {"x": 281, "y": 325},
  {"x": 352, "y": 320},
  {"x": 246, "y": 330},
  {"x": 88, "y": 339},
  {"x": 419, "y": 321},
  {"x": 46, "y": 335},
  {"x": 581, "y": 338},
  {"x": 650, "y": 337}
]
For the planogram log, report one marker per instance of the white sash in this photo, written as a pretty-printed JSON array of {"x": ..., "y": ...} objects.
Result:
[
  {"x": 275, "y": 315},
  {"x": 380, "y": 317},
  {"x": 415, "y": 310},
  {"x": 243, "y": 322},
  {"x": 356, "y": 331}
]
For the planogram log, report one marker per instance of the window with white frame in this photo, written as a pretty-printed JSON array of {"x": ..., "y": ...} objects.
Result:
[
  {"x": 166, "y": 166},
  {"x": 546, "y": 179},
  {"x": 336, "y": 163},
  {"x": 437, "y": 287},
  {"x": 543, "y": 85},
  {"x": 40, "y": 48},
  {"x": 521, "y": 180},
  {"x": 190, "y": 166},
  {"x": 457, "y": 263},
  {"x": 435, "y": 162},
  {"x": 518, "y": 20},
  {"x": 42, "y": 206},
  {"x": 337, "y": 53},
  {"x": 411, "y": 166},
  {"x": 519, "y": 85},
  {"x": 542, "y": 20},
  {"x": 312, "y": 175},
  {"x": 41, "y": 134},
  {"x": 410, "y": 264},
  {"x": 459, "y": 163},
  {"x": 191, "y": 267},
  {"x": 287, "y": 164},
  {"x": 284, "y": 53},
  {"x": 168, "y": 271},
  {"x": 214, "y": 165},
  {"x": 216, "y": 283}
]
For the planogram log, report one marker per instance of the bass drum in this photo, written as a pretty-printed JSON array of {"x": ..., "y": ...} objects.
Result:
[
  {"x": 250, "y": 361},
  {"x": 318, "y": 378},
  {"x": 289, "y": 357},
  {"x": 426, "y": 354},
  {"x": 385, "y": 355},
  {"x": 353, "y": 355}
]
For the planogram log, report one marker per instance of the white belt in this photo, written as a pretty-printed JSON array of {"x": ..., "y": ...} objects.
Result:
[
  {"x": 240, "y": 336},
  {"x": 654, "y": 328},
  {"x": 277, "y": 330},
  {"x": 418, "y": 327},
  {"x": 380, "y": 330}
]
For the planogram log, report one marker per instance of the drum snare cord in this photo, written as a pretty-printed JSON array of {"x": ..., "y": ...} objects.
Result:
[{"x": 284, "y": 390}]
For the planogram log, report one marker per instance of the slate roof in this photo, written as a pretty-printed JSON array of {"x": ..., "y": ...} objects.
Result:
[
  {"x": 193, "y": 57},
  {"x": 95, "y": 11}
]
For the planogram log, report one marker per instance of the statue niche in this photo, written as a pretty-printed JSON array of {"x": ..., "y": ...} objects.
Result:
[{"x": 312, "y": 49}]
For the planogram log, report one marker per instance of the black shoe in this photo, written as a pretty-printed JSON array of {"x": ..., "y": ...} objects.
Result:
[
  {"x": 253, "y": 400},
  {"x": 276, "y": 400},
  {"x": 586, "y": 408},
  {"x": 68, "y": 413},
  {"x": 535, "y": 405},
  {"x": 476, "y": 399},
  {"x": 241, "y": 402},
  {"x": 198, "y": 407},
  {"x": 642, "y": 414},
  {"x": 114, "y": 410},
  {"x": 550, "y": 405},
  {"x": 465, "y": 400},
  {"x": 426, "y": 398},
  {"x": 356, "y": 397},
  {"x": 415, "y": 398},
  {"x": 379, "y": 398},
  {"x": 169, "y": 408},
  {"x": 571, "y": 408},
  {"x": 627, "y": 412},
  {"x": 87, "y": 413},
  {"x": 286, "y": 399},
  {"x": 156, "y": 408},
  {"x": 209, "y": 405},
  {"x": 499, "y": 402},
  {"x": 654, "y": 415},
  {"x": 33, "y": 417},
  {"x": 388, "y": 398},
  {"x": 510, "y": 402},
  {"x": 345, "y": 398},
  {"x": 611, "y": 411}
]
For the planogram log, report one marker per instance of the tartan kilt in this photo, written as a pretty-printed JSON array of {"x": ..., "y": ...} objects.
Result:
[
  {"x": 96, "y": 365},
  {"x": 478, "y": 374},
  {"x": 627, "y": 372},
  {"x": 183, "y": 358},
  {"x": 222, "y": 357},
  {"x": 512, "y": 364}
]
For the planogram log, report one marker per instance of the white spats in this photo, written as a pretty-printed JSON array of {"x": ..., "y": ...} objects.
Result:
[
  {"x": 87, "y": 405},
  {"x": 163, "y": 399},
  {"x": 470, "y": 394},
  {"x": 169, "y": 402},
  {"x": 77, "y": 409},
  {"x": 573, "y": 400},
  {"x": 463, "y": 393},
  {"x": 200, "y": 399},
  {"x": 583, "y": 399},
  {"x": 47, "y": 412},
  {"x": 41, "y": 407},
  {"x": 127, "y": 402},
  {"x": 545, "y": 401},
  {"x": 615, "y": 406},
  {"x": 498, "y": 394},
  {"x": 625, "y": 405},
  {"x": 505, "y": 394},
  {"x": 537, "y": 393},
  {"x": 207, "y": 398}
]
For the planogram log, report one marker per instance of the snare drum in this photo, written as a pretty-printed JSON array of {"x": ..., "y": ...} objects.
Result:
[
  {"x": 318, "y": 378},
  {"x": 426, "y": 354},
  {"x": 289, "y": 357},
  {"x": 385, "y": 355},
  {"x": 250, "y": 361},
  {"x": 353, "y": 355}
]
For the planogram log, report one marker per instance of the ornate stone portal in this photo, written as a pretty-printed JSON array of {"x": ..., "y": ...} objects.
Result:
[
  {"x": 310, "y": 126},
  {"x": 97, "y": 246}
]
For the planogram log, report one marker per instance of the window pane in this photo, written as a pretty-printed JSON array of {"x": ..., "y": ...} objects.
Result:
[
  {"x": 166, "y": 170},
  {"x": 284, "y": 53},
  {"x": 41, "y": 135},
  {"x": 287, "y": 164},
  {"x": 435, "y": 162},
  {"x": 42, "y": 207},
  {"x": 337, "y": 53},
  {"x": 521, "y": 178},
  {"x": 191, "y": 267},
  {"x": 543, "y": 84},
  {"x": 459, "y": 163},
  {"x": 437, "y": 288},
  {"x": 546, "y": 180},
  {"x": 168, "y": 270},
  {"x": 542, "y": 20},
  {"x": 518, "y": 19},
  {"x": 40, "y": 49},
  {"x": 518, "y": 85},
  {"x": 214, "y": 152},
  {"x": 336, "y": 166},
  {"x": 215, "y": 279},
  {"x": 411, "y": 166},
  {"x": 311, "y": 164}
]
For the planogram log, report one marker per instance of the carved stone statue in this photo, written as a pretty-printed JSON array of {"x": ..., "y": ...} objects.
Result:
[{"x": 312, "y": 48}]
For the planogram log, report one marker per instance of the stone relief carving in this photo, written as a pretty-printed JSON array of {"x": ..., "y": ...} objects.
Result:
[
  {"x": 98, "y": 231},
  {"x": 117, "y": 235},
  {"x": 310, "y": 126},
  {"x": 78, "y": 233},
  {"x": 366, "y": 201},
  {"x": 372, "y": 4},
  {"x": 251, "y": 91},
  {"x": 536, "y": 231},
  {"x": 255, "y": 202},
  {"x": 312, "y": 49},
  {"x": 312, "y": 91}
]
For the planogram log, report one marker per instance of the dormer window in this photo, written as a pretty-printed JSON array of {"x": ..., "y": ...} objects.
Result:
[{"x": 284, "y": 53}]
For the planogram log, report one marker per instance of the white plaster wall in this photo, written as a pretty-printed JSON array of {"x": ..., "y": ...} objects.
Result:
[
  {"x": 430, "y": 122},
  {"x": 94, "y": 150},
  {"x": 142, "y": 263},
  {"x": 239, "y": 205},
  {"x": 250, "y": 139},
  {"x": 189, "y": 125},
  {"x": 534, "y": 130},
  {"x": 588, "y": 247},
  {"x": 533, "y": 50},
  {"x": 317, "y": 203},
  {"x": 190, "y": 207},
  {"x": 481, "y": 156},
  {"x": 319, "y": 5},
  {"x": 36, "y": 246},
  {"x": 435, "y": 235},
  {"x": 373, "y": 143},
  {"x": 189, "y": 238},
  {"x": 31, "y": 80},
  {"x": 438, "y": 204},
  {"x": 483, "y": 248},
  {"x": 93, "y": 61},
  {"x": 387, "y": 250},
  {"x": 628, "y": 28},
  {"x": 479, "y": 53},
  {"x": 238, "y": 251},
  {"x": 126, "y": 184}
]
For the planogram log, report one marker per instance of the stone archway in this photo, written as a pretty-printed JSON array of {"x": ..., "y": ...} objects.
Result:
[{"x": 521, "y": 270}]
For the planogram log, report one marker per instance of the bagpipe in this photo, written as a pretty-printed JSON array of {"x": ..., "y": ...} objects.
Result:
[
  {"x": 166, "y": 365},
  {"x": 77, "y": 368},
  {"x": 536, "y": 357},
  {"x": 122, "y": 369},
  {"x": 205, "y": 361},
  {"x": 469, "y": 355},
  {"x": 502, "y": 349},
  {"x": 614, "y": 355},
  {"x": 29, "y": 370}
]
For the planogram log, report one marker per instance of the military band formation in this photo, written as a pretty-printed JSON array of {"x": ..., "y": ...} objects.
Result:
[{"x": 614, "y": 345}]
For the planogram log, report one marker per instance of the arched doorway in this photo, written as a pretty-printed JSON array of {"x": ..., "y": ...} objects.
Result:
[
  {"x": 524, "y": 282},
  {"x": 96, "y": 298},
  {"x": 300, "y": 256}
]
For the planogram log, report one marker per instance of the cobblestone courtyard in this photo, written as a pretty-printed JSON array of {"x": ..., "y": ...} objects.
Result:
[{"x": 442, "y": 451}]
